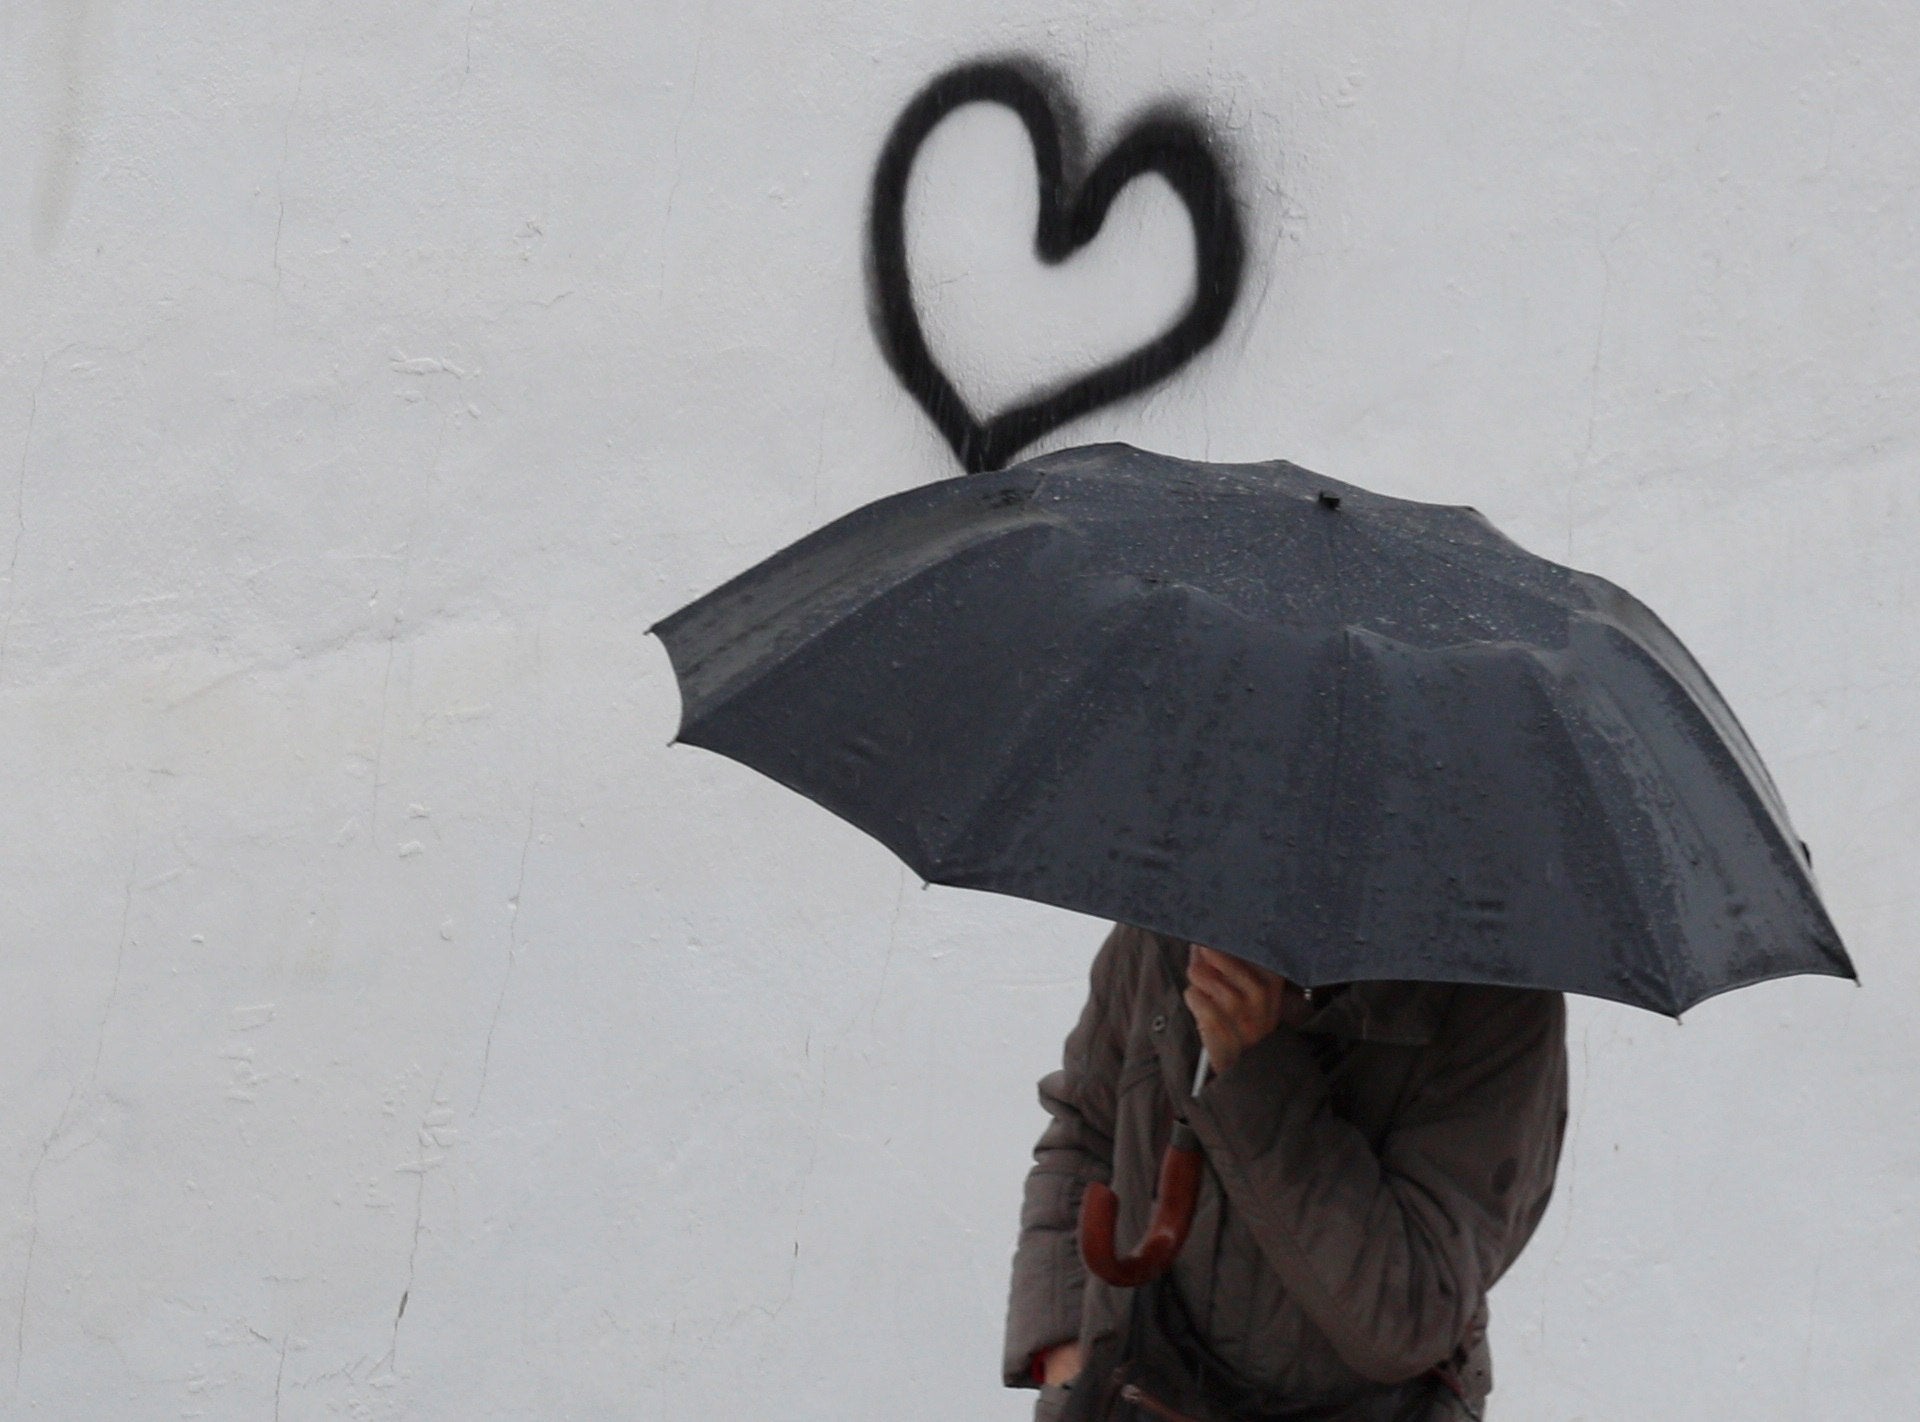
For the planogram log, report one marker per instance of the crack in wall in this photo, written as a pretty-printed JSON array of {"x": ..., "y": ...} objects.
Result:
[
  {"x": 393, "y": 635},
  {"x": 1585, "y": 461},
  {"x": 693, "y": 94},
  {"x": 33, "y": 1239},
  {"x": 424, "y": 1161},
  {"x": 513, "y": 948},
  {"x": 466, "y": 66},
  {"x": 286, "y": 146},
  {"x": 75, "y": 1092},
  {"x": 392, "y": 1359},
  {"x": 893, "y": 942},
  {"x": 520, "y": 882}
]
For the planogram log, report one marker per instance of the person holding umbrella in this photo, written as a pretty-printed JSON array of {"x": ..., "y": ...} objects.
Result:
[
  {"x": 1380, "y": 1153},
  {"x": 1410, "y": 780}
]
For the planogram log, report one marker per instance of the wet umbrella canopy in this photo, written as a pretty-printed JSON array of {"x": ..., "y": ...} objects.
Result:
[{"x": 1338, "y": 734}]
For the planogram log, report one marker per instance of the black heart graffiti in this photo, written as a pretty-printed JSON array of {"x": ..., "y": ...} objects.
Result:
[{"x": 1163, "y": 141}]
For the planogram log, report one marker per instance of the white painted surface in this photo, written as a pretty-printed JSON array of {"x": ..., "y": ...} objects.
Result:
[{"x": 372, "y": 375}]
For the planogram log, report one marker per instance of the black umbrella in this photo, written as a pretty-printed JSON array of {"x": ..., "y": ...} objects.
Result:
[{"x": 1342, "y": 735}]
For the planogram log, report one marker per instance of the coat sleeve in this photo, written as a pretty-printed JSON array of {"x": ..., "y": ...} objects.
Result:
[
  {"x": 1391, "y": 1253},
  {"x": 1075, "y": 1147}
]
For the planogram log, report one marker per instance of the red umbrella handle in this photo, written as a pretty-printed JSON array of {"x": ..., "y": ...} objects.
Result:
[{"x": 1166, "y": 1231}]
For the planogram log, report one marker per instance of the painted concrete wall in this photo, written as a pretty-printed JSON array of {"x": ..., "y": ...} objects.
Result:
[{"x": 392, "y": 1026}]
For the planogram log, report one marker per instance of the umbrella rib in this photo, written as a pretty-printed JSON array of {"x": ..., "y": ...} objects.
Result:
[
  {"x": 1339, "y": 742},
  {"x": 1330, "y": 564},
  {"x": 860, "y": 596},
  {"x": 1041, "y": 718},
  {"x": 1543, "y": 677},
  {"x": 1673, "y": 662},
  {"x": 1779, "y": 837}
]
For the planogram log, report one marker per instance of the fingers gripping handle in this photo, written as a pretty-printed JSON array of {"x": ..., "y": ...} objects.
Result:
[{"x": 1166, "y": 1231}]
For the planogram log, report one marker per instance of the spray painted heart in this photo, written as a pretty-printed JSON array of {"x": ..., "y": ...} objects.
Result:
[{"x": 1071, "y": 213}]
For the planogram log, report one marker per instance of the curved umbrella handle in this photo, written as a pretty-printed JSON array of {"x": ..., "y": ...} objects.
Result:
[{"x": 1166, "y": 1231}]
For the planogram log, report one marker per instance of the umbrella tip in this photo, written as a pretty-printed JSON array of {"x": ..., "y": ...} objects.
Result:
[{"x": 1329, "y": 501}]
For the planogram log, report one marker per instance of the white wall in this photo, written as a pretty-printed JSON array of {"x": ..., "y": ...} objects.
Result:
[{"x": 371, "y": 376}]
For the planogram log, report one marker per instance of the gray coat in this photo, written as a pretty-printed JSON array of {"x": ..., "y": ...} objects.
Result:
[{"x": 1369, "y": 1175}]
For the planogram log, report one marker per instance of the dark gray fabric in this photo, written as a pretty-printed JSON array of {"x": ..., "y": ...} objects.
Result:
[
  {"x": 1160, "y": 1355},
  {"x": 1358, "y": 739},
  {"x": 1369, "y": 1175}
]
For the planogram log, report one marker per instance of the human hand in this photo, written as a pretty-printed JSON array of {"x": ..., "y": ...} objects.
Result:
[
  {"x": 1060, "y": 1364},
  {"x": 1236, "y": 1003}
]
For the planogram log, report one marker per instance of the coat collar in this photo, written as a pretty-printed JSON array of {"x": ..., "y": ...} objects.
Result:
[
  {"x": 1395, "y": 1014},
  {"x": 1391, "y": 1013}
]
